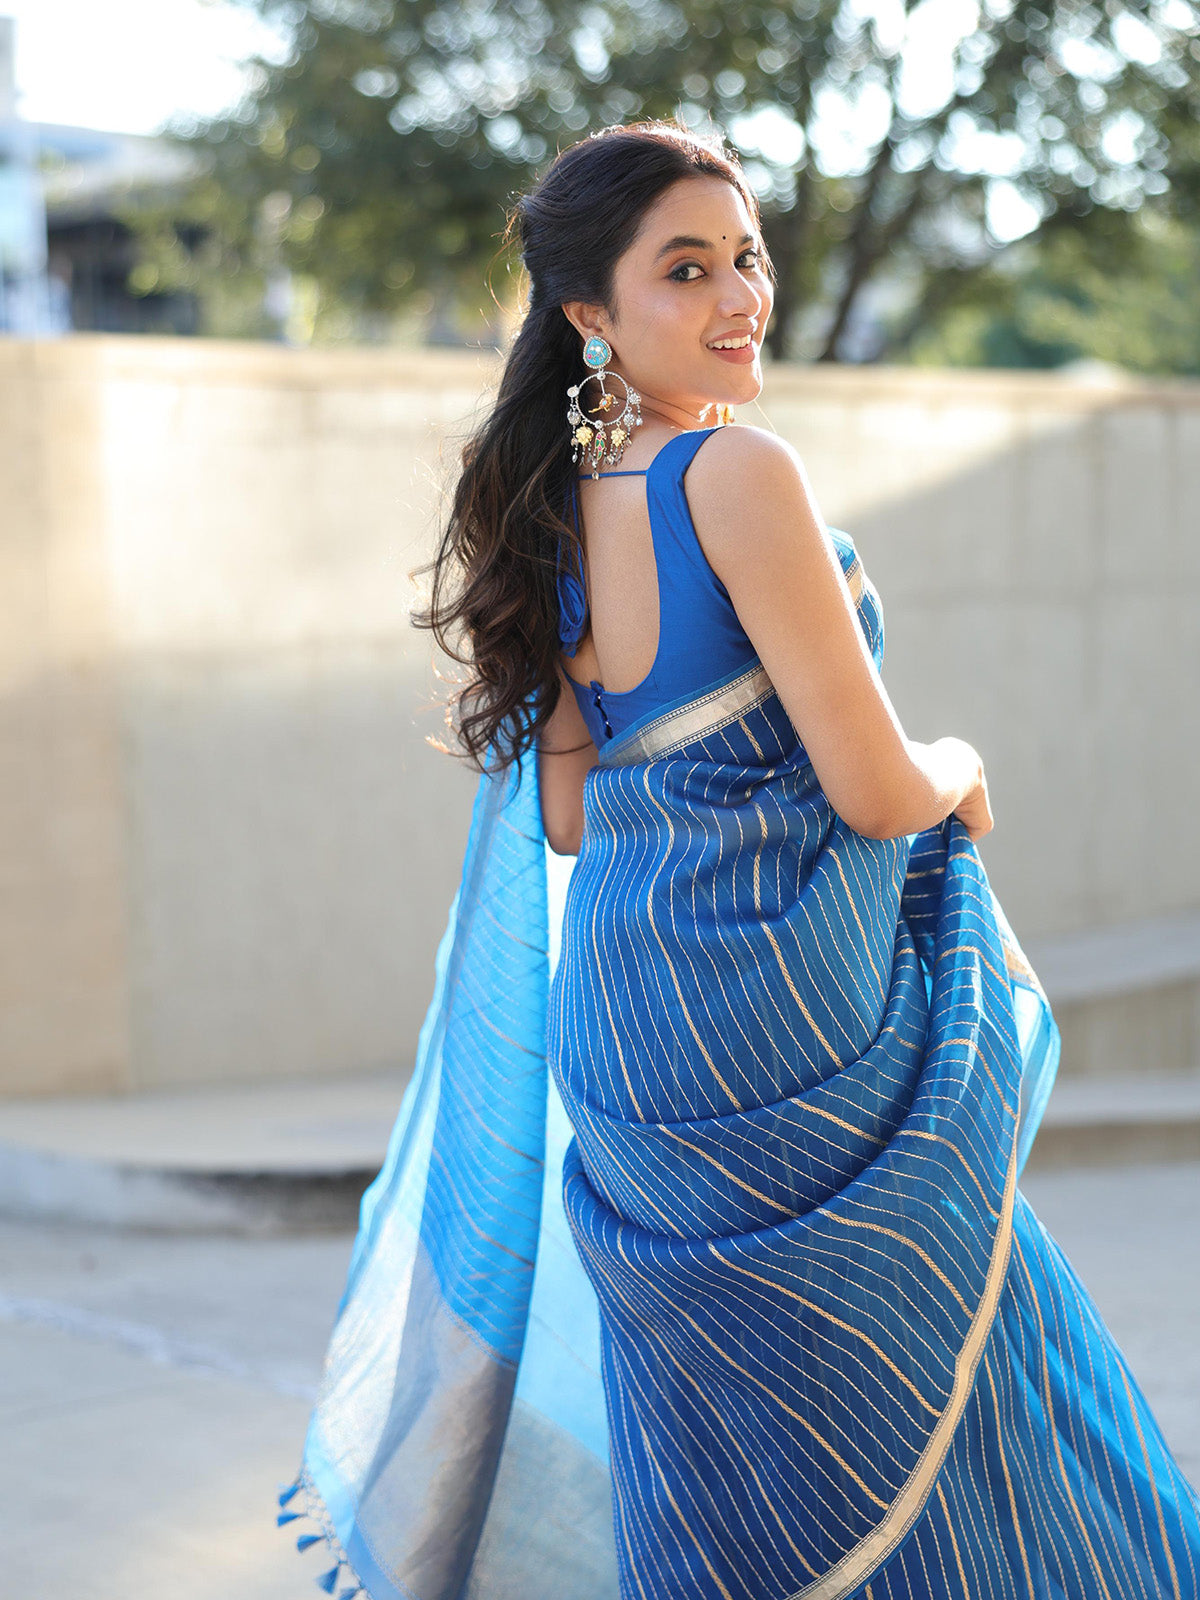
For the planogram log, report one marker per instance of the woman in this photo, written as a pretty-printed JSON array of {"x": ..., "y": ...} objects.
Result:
[{"x": 805, "y": 1336}]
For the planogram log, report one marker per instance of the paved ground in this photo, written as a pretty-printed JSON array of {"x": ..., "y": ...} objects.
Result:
[{"x": 154, "y": 1389}]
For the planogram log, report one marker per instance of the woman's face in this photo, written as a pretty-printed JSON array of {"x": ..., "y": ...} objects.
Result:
[{"x": 693, "y": 277}]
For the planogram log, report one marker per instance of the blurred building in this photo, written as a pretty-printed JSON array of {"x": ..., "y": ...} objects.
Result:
[{"x": 65, "y": 255}]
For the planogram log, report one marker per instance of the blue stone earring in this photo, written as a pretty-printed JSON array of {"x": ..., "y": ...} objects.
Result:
[{"x": 599, "y": 436}]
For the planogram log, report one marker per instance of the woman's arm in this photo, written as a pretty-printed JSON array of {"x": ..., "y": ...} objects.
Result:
[
  {"x": 566, "y": 750},
  {"x": 759, "y": 526}
]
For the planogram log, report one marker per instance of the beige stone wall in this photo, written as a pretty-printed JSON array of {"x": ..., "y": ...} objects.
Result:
[
  {"x": 1037, "y": 546},
  {"x": 227, "y": 851}
]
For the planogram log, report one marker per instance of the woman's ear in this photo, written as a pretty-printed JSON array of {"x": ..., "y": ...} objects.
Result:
[{"x": 585, "y": 318}]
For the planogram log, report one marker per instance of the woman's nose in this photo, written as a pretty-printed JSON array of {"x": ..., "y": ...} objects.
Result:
[{"x": 740, "y": 296}]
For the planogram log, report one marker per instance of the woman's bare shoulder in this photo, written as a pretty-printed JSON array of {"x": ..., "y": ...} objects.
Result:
[
  {"x": 748, "y": 486},
  {"x": 759, "y": 526},
  {"x": 743, "y": 449}
]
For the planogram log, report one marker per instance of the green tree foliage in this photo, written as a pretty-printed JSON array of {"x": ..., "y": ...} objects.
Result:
[
  {"x": 885, "y": 139},
  {"x": 1042, "y": 306}
]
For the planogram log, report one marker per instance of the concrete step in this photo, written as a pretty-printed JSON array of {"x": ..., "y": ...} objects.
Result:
[
  {"x": 289, "y": 1156},
  {"x": 1126, "y": 958},
  {"x": 295, "y": 1157},
  {"x": 1118, "y": 1121}
]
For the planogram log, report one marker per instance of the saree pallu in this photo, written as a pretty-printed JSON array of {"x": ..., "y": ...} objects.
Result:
[{"x": 697, "y": 1268}]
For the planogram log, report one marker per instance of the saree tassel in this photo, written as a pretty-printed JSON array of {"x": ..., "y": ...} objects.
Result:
[{"x": 314, "y": 1512}]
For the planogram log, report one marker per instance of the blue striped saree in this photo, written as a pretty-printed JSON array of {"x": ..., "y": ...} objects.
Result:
[{"x": 698, "y": 1268}]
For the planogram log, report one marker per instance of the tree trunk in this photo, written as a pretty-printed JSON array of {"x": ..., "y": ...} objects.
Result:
[
  {"x": 787, "y": 253},
  {"x": 867, "y": 258},
  {"x": 866, "y": 246}
]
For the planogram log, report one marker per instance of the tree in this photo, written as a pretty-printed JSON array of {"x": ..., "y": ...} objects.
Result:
[
  {"x": 1054, "y": 302},
  {"x": 395, "y": 131}
]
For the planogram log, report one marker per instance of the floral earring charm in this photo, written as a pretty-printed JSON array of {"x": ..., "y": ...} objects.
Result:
[{"x": 600, "y": 435}]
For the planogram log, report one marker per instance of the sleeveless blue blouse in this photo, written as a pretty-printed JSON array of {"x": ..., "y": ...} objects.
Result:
[{"x": 700, "y": 639}]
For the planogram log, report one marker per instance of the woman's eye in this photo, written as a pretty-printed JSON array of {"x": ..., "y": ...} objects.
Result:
[{"x": 688, "y": 266}]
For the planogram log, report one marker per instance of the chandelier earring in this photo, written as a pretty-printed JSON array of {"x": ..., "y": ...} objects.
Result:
[{"x": 600, "y": 432}]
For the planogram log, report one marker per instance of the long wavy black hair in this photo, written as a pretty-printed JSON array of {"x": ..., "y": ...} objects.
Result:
[{"x": 493, "y": 599}]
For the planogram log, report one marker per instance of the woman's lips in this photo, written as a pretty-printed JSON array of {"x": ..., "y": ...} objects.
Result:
[{"x": 741, "y": 358}]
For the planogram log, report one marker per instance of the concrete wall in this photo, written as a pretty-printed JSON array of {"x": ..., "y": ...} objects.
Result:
[
  {"x": 1037, "y": 547},
  {"x": 227, "y": 850}
]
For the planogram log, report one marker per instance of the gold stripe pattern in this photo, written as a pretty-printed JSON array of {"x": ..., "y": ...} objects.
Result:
[
  {"x": 792, "y": 1060},
  {"x": 858, "y": 1564}
]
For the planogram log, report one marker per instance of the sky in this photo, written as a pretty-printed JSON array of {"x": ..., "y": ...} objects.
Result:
[{"x": 128, "y": 65}]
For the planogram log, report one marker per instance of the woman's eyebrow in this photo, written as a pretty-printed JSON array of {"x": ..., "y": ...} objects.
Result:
[{"x": 691, "y": 242}]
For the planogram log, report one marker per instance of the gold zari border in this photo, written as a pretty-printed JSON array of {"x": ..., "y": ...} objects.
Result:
[
  {"x": 858, "y": 1564},
  {"x": 692, "y": 721}
]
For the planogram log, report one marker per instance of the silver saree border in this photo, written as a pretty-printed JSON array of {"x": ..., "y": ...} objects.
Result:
[
  {"x": 858, "y": 1564},
  {"x": 696, "y": 719},
  {"x": 664, "y": 734}
]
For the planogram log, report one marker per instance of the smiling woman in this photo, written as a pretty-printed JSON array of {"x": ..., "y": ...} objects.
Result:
[{"x": 698, "y": 1267}]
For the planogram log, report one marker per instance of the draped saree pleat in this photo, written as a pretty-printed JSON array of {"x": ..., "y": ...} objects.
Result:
[{"x": 698, "y": 1268}]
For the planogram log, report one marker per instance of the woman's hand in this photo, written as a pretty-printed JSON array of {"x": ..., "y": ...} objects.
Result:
[{"x": 975, "y": 810}]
